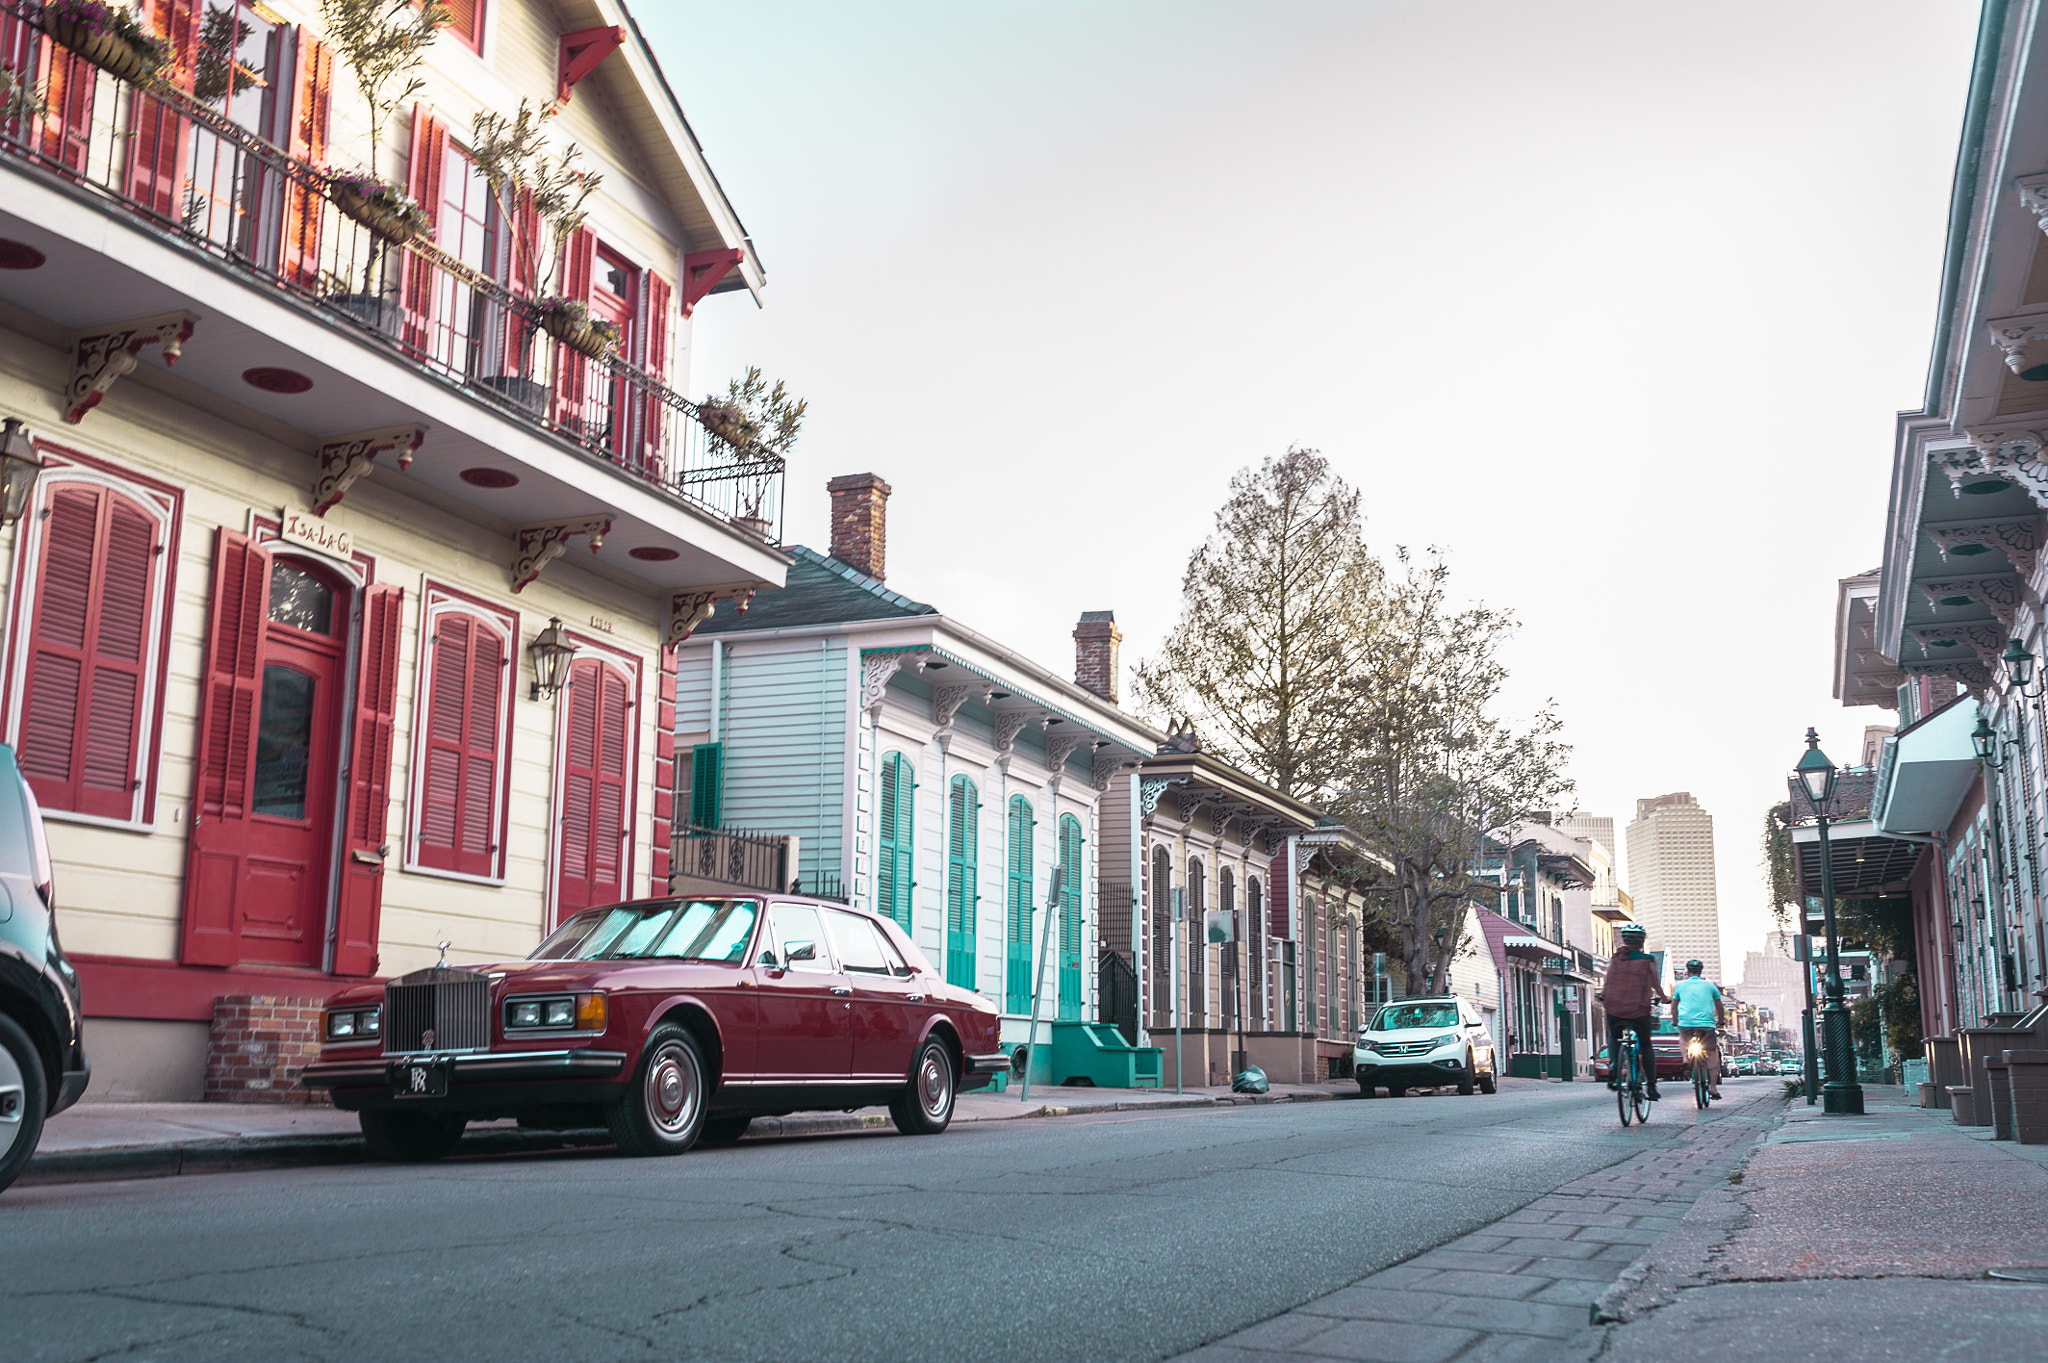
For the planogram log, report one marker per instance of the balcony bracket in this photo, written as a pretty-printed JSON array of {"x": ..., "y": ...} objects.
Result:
[
  {"x": 2014, "y": 536},
  {"x": 350, "y": 457},
  {"x": 108, "y": 352},
  {"x": 540, "y": 545},
  {"x": 2000, "y": 593},
  {"x": 687, "y": 610},
  {"x": 580, "y": 53},
  {"x": 2018, "y": 454},
  {"x": 703, "y": 271},
  {"x": 2034, "y": 197}
]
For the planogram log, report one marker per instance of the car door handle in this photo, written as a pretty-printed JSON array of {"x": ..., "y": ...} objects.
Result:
[
  {"x": 841, "y": 989},
  {"x": 913, "y": 998}
]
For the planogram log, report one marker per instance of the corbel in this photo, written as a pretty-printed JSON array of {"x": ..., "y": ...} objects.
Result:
[
  {"x": 875, "y": 672},
  {"x": 1107, "y": 769},
  {"x": 2017, "y": 537},
  {"x": 106, "y": 353},
  {"x": 703, "y": 271},
  {"x": 1151, "y": 788},
  {"x": 688, "y": 610},
  {"x": 2012, "y": 453},
  {"x": 1010, "y": 723},
  {"x": 540, "y": 545},
  {"x": 1997, "y": 592},
  {"x": 2034, "y": 197},
  {"x": 579, "y": 54},
  {"x": 347, "y": 459},
  {"x": 1982, "y": 637},
  {"x": 2012, "y": 335}
]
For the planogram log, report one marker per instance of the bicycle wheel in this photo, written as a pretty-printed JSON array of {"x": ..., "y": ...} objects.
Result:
[
  {"x": 1624, "y": 1079},
  {"x": 1641, "y": 1098},
  {"x": 1699, "y": 1082}
]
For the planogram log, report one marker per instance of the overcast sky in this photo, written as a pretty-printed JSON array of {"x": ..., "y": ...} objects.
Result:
[{"x": 1614, "y": 302}]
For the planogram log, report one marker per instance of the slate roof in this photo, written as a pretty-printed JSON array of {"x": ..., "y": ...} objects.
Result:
[{"x": 819, "y": 590}]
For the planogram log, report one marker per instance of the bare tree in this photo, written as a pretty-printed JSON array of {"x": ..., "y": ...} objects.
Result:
[{"x": 1275, "y": 619}]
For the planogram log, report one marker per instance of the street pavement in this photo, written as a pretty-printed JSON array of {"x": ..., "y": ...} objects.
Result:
[{"x": 1106, "y": 1234}]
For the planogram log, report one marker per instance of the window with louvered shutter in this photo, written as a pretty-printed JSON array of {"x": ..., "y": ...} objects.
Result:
[
  {"x": 893, "y": 866},
  {"x": 466, "y": 22},
  {"x": 1018, "y": 983},
  {"x": 91, "y": 661},
  {"x": 461, "y": 727},
  {"x": 963, "y": 870}
]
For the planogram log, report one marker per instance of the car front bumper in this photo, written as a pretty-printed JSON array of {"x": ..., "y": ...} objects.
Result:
[
  {"x": 1420, "y": 1071},
  {"x": 544, "y": 1076}
]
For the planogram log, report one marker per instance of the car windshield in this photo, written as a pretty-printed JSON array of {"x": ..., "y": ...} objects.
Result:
[
  {"x": 1395, "y": 1016},
  {"x": 676, "y": 929}
]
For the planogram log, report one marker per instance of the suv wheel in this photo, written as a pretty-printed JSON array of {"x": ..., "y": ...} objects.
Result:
[
  {"x": 1469, "y": 1077},
  {"x": 24, "y": 1099},
  {"x": 1489, "y": 1082}
]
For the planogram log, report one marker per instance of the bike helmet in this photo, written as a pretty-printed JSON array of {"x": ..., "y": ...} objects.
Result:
[
  {"x": 1634, "y": 934},
  {"x": 1695, "y": 966}
]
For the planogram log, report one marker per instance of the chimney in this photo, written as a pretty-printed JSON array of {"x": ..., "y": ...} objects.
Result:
[
  {"x": 860, "y": 505},
  {"x": 1095, "y": 653}
]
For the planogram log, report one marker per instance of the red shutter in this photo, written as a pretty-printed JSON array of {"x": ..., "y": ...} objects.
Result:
[
  {"x": 313, "y": 96},
  {"x": 68, "y": 82},
  {"x": 368, "y": 784},
  {"x": 480, "y": 754},
  {"x": 423, "y": 183},
  {"x": 572, "y": 371},
  {"x": 654, "y": 416},
  {"x": 458, "y": 799},
  {"x": 609, "y": 833},
  {"x": 88, "y": 652},
  {"x": 160, "y": 144},
  {"x": 230, "y": 698},
  {"x": 579, "y": 785},
  {"x": 463, "y": 16}
]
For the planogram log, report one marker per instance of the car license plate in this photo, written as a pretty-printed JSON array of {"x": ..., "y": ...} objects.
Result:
[{"x": 421, "y": 1079}]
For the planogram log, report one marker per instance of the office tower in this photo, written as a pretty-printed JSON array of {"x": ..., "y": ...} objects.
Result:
[{"x": 1671, "y": 876}]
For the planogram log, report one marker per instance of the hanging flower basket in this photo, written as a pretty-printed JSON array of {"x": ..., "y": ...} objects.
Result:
[
  {"x": 569, "y": 321},
  {"x": 381, "y": 207},
  {"x": 726, "y": 422},
  {"x": 108, "y": 37}
]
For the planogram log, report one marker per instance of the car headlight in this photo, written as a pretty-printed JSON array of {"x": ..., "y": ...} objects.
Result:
[
  {"x": 1365, "y": 1045},
  {"x": 557, "y": 1013},
  {"x": 1447, "y": 1039},
  {"x": 340, "y": 1025},
  {"x": 525, "y": 1013},
  {"x": 371, "y": 1022},
  {"x": 560, "y": 1013},
  {"x": 354, "y": 1024}
]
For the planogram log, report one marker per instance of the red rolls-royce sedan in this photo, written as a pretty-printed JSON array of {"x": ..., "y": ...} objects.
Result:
[{"x": 667, "y": 1020}]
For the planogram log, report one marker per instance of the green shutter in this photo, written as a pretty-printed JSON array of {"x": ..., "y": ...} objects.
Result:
[
  {"x": 1018, "y": 994},
  {"x": 963, "y": 832},
  {"x": 1070, "y": 917},
  {"x": 707, "y": 785},
  {"x": 893, "y": 868}
]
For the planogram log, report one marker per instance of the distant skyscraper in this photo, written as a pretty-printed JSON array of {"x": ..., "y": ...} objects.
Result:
[
  {"x": 1671, "y": 876},
  {"x": 1773, "y": 980},
  {"x": 1599, "y": 830}
]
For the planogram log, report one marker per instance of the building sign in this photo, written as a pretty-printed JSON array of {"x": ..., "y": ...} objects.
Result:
[
  {"x": 601, "y": 622},
  {"x": 1221, "y": 925},
  {"x": 299, "y": 527}
]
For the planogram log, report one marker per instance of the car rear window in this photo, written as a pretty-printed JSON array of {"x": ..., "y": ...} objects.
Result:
[
  {"x": 1398, "y": 1015},
  {"x": 680, "y": 929}
]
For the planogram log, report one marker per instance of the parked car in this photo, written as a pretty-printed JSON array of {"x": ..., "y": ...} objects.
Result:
[
  {"x": 1424, "y": 1043},
  {"x": 43, "y": 1068},
  {"x": 669, "y": 1021}
]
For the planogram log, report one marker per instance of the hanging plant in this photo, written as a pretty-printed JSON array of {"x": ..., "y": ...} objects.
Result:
[
  {"x": 108, "y": 36},
  {"x": 381, "y": 206},
  {"x": 752, "y": 419},
  {"x": 569, "y": 321},
  {"x": 541, "y": 191},
  {"x": 383, "y": 43}
]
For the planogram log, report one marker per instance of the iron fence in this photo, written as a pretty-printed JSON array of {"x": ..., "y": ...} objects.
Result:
[
  {"x": 204, "y": 176},
  {"x": 756, "y": 861}
]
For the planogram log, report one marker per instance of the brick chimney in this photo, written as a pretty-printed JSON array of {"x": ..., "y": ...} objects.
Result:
[
  {"x": 860, "y": 507},
  {"x": 1095, "y": 653}
]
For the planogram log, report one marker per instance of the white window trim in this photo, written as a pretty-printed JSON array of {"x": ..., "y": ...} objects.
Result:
[{"x": 435, "y": 602}]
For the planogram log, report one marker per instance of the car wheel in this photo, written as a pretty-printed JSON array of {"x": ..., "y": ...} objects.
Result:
[
  {"x": 24, "y": 1099},
  {"x": 1469, "y": 1079},
  {"x": 1366, "y": 1090},
  {"x": 410, "y": 1137},
  {"x": 1396, "y": 1091},
  {"x": 663, "y": 1111},
  {"x": 925, "y": 1108},
  {"x": 723, "y": 1130},
  {"x": 1489, "y": 1082}
]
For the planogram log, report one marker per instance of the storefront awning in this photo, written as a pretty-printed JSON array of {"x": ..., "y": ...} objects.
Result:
[
  {"x": 1864, "y": 861},
  {"x": 1926, "y": 772}
]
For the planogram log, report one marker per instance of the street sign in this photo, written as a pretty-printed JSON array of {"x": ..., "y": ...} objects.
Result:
[{"x": 1220, "y": 926}]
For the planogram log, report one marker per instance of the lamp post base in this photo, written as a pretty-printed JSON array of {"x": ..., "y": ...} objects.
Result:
[{"x": 1846, "y": 1099}]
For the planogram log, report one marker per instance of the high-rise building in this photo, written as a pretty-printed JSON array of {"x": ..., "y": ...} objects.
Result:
[
  {"x": 1671, "y": 876},
  {"x": 1772, "y": 979},
  {"x": 1600, "y": 830}
]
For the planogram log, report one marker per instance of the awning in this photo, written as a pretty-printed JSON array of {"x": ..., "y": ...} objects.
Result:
[
  {"x": 1864, "y": 861},
  {"x": 1926, "y": 772}
]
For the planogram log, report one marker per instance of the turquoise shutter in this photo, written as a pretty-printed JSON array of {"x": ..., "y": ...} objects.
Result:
[
  {"x": 1018, "y": 994},
  {"x": 707, "y": 785},
  {"x": 1070, "y": 917},
  {"x": 963, "y": 830},
  {"x": 893, "y": 869}
]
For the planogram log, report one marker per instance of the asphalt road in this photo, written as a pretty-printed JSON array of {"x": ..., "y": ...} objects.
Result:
[{"x": 1135, "y": 1235}]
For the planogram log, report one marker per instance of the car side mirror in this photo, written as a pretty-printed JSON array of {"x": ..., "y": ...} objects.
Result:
[
  {"x": 768, "y": 959},
  {"x": 793, "y": 952}
]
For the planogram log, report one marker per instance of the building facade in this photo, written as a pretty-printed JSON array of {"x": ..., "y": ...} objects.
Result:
[{"x": 1671, "y": 878}]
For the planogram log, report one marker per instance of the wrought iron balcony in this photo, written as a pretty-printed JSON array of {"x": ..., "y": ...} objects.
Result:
[
  {"x": 193, "y": 173},
  {"x": 726, "y": 856}
]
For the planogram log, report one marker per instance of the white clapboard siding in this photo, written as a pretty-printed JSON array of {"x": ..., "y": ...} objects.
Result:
[{"x": 784, "y": 729}]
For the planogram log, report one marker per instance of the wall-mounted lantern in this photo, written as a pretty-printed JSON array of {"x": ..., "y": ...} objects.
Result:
[
  {"x": 19, "y": 466},
  {"x": 551, "y": 655}
]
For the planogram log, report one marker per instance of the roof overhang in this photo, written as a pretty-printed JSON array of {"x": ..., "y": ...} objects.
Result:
[
  {"x": 1215, "y": 781},
  {"x": 1927, "y": 771},
  {"x": 1863, "y": 860}
]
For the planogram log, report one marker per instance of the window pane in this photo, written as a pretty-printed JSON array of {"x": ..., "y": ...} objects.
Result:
[
  {"x": 725, "y": 939},
  {"x": 563, "y": 941},
  {"x": 284, "y": 741},
  {"x": 859, "y": 953},
  {"x": 795, "y": 923},
  {"x": 299, "y": 599},
  {"x": 645, "y": 933}
]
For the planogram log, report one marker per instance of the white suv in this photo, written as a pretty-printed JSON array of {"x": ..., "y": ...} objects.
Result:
[{"x": 1424, "y": 1043}]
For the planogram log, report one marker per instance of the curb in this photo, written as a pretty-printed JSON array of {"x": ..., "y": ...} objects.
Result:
[{"x": 242, "y": 1154}]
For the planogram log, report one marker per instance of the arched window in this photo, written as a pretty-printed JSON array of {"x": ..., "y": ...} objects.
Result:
[
  {"x": 1070, "y": 917},
  {"x": 1017, "y": 991},
  {"x": 1195, "y": 934},
  {"x": 461, "y": 736},
  {"x": 963, "y": 868},
  {"x": 894, "y": 868},
  {"x": 1226, "y": 900},
  {"x": 1160, "y": 896}
]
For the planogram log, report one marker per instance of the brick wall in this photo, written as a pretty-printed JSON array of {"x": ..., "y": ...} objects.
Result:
[{"x": 260, "y": 1043}]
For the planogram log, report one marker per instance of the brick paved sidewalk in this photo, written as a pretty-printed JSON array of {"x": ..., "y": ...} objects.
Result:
[{"x": 1525, "y": 1286}]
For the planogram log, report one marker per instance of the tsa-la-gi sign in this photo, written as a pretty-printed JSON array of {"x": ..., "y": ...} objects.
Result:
[{"x": 300, "y": 528}]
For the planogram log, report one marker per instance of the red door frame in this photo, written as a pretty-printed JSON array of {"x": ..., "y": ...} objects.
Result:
[{"x": 631, "y": 665}]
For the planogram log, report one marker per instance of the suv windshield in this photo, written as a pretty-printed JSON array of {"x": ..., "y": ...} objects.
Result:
[
  {"x": 676, "y": 929},
  {"x": 1395, "y": 1016}
]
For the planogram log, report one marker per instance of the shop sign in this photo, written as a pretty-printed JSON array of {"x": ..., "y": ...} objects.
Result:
[{"x": 303, "y": 528}]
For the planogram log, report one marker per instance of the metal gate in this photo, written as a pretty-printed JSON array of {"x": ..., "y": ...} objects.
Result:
[{"x": 1117, "y": 989}]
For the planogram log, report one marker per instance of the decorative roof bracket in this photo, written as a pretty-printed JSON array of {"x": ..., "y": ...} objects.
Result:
[
  {"x": 1982, "y": 637},
  {"x": 703, "y": 271},
  {"x": 579, "y": 55},
  {"x": 2012, "y": 335},
  {"x": 1997, "y": 592},
  {"x": 687, "y": 610},
  {"x": 1151, "y": 788},
  {"x": 2034, "y": 196},
  {"x": 2017, "y": 454},
  {"x": 2017, "y": 537},
  {"x": 540, "y": 545},
  {"x": 346, "y": 459},
  {"x": 106, "y": 353}
]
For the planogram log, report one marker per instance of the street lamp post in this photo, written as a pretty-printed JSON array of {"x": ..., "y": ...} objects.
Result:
[{"x": 1841, "y": 1093}]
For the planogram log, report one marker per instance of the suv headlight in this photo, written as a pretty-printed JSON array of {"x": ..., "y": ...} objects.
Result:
[
  {"x": 1447, "y": 1039},
  {"x": 1366, "y": 1044}
]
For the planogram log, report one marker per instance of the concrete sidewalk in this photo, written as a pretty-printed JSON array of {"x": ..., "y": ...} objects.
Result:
[{"x": 94, "y": 1141}]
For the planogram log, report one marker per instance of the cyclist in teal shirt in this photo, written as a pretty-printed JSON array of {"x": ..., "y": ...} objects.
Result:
[{"x": 1697, "y": 1010}]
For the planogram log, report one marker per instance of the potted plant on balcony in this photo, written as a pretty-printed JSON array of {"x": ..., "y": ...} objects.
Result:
[
  {"x": 570, "y": 322},
  {"x": 755, "y": 425},
  {"x": 544, "y": 192},
  {"x": 383, "y": 43},
  {"x": 108, "y": 36},
  {"x": 381, "y": 206}
]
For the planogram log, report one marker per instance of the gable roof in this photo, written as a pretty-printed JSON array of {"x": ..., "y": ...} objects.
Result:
[{"x": 819, "y": 590}]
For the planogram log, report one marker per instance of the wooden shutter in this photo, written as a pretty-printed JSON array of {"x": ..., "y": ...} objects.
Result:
[
  {"x": 707, "y": 785},
  {"x": 893, "y": 867},
  {"x": 88, "y": 652},
  {"x": 1070, "y": 917},
  {"x": 160, "y": 142},
  {"x": 458, "y": 818},
  {"x": 464, "y": 20},
  {"x": 230, "y": 695},
  {"x": 572, "y": 371},
  {"x": 423, "y": 182},
  {"x": 963, "y": 872},
  {"x": 579, "y": 781},
  {"x": 654, "y": 414},
  {"x": 357, "y": 912},
  {"x": 68, "y": 84},
  {"x": 312, "y": 111},
  {"x": 609, "y": 832},
  {"x": 1018, "y": 935},
  {"x": 596, "y": 786}
]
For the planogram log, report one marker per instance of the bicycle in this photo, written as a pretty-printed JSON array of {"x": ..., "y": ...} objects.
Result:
[
  {"x": 1629, "y": 1091},
  {"x": 1702, "y": 1086}
]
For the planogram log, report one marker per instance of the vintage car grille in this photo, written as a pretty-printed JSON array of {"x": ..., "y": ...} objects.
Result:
[
  {"x": 1405, "y": 1047},
  {"x": 437, "y": 1009}
]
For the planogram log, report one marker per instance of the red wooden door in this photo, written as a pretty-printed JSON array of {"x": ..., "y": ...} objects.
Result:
[{"x": 594, "y": 754}]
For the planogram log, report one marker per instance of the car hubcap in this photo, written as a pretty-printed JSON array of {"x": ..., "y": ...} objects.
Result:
[
  {"x": 672, "y": 1090},
  {"x": 935, "y": 1084},
  {"x": 13, "y": 1101}
]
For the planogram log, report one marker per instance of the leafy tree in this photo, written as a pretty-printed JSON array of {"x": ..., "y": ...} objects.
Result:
[
  {"x": 383, "y": 42},
  {"x": 1276, "y": 618},
  {"x": 517, "y": 160}
]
